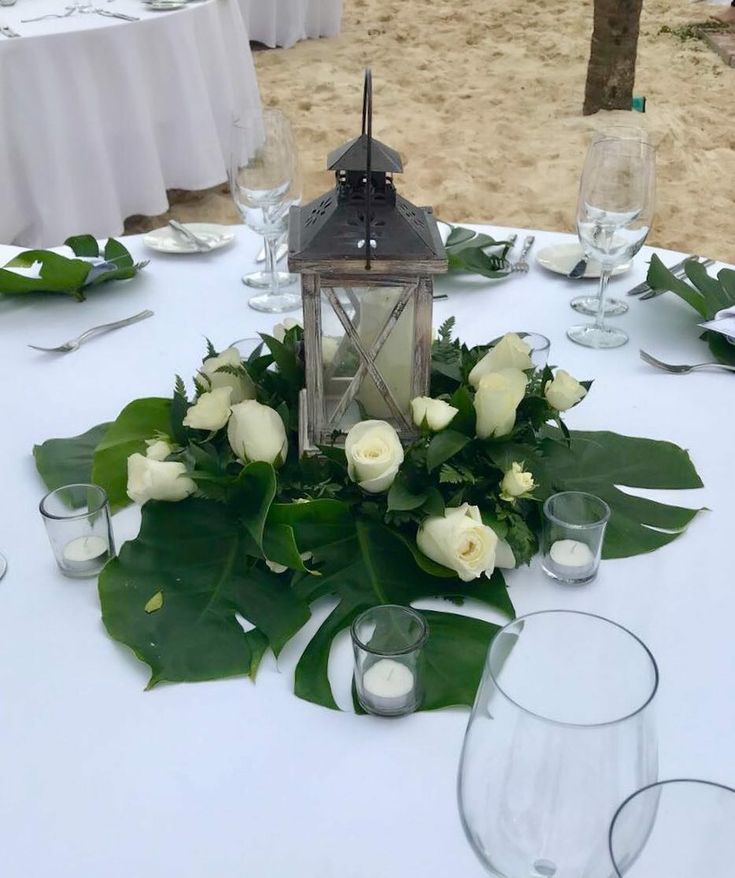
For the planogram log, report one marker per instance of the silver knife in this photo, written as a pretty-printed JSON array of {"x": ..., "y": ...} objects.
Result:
[
  {"x": 199, "y": 242},
  {"x": 121, "y": 15},
  {"x": 645, "y": 287},
  {"x": 681, "y": 274}
]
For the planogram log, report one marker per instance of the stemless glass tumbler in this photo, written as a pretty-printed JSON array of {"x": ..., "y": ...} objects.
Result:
[
  {"x": 614, "y": 215},
  {"x": 77, "y": 519},
  {"x": 560, "y": 732},
  {"x": 691, "y": 836}
]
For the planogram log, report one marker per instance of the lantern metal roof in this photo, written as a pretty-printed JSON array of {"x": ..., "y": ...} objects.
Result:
[{"x": 329, "y": 234}]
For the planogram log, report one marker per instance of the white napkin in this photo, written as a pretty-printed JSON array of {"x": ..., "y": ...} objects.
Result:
[
  {"x": 724, "y": 322},
  {"x": 31, "y": 271}
]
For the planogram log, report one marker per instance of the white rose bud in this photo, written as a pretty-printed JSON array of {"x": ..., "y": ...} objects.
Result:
[
  {"x": 280, "y": 329},
  {"x": 242, "y": 386},
  {"x": 157, "y": 480},
  {"x": 374, "y": 454},
  {"x": 435, "y": 412},
  {"x": 496, "y": 401},
  {"x": 459, "y": 540},
  {"x": 511, "y": 352},
  {"x": 211, "y": 411},
  {"x": 157, "y": 449},
  {"x": 516, "y": 482},
  {"x": 256, "y": 432},
  {"x": 564, "y": 391}
]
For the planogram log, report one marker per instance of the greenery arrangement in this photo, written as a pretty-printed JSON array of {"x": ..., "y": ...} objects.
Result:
[
  {"x": 467, "y": 252},
  {"x": 234, "y": 524},
  {"x": 705, "y": 294},
  {"x": 68, "y": 275}
]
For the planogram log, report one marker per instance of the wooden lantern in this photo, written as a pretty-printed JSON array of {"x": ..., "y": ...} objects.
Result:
[{"x": 366, "y": 257}]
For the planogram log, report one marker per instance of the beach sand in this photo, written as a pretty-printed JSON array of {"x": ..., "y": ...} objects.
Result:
[{"x": 483, "y": 101}]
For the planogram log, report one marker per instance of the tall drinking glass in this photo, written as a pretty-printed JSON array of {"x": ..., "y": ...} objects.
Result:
[
  {"x": 614, "y": 215},
  {"x": 691, "y": 835},
  {"x": 263, "y": 187},
  {"x": 561, "y": 731},
  {"x": 588, "y": 304}
]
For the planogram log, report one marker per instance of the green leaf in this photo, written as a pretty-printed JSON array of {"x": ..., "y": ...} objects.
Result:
[
  {"x": 138, "y": 421},
  {"x": 58, "y": 274},
  {"x": 83, "y": 245},
  {"x": 372, "y": 566},
  {"x": 596, "y": 462},
  {"x": 660, "y": 278},
  {"x": 465, "y": 421},
  {"x": 401, "y": 498},
  {"x": 117, "y": 253},
  {"x": 251, "y": 496},
  {"x": 726, "y": 277},
  {"x": 193, "y": 553},
  {"x": 443, "y": 446},
  {"x": 68, "y": 461},
  {"x": 715, "y": 297},
  {"x": 453, "y": 658},
  {"x": 723, "y": 351}
]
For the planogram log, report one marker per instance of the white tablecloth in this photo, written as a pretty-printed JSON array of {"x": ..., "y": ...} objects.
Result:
[
  {"x": 101, "y": 116},
  {"x": 284, "y": 22},
  {"x": 231, "y": 778}
]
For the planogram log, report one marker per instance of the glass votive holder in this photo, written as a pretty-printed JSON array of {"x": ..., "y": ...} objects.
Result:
[
  {"x": 539, "y": 348},
  {"x": 573, "y": 531},
  {"x": 387, "y": 642},
  {"x": 77, "y": 519}
]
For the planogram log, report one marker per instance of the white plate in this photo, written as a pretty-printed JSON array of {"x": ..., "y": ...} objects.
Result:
[
  {"x": 561, "y": 258},
  {"x": 166, "y": 240}
]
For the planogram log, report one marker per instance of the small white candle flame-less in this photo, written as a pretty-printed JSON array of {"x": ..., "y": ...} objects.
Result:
[
  {"x": 571, "y": 560},
  {"x": 85, "y": 555},
  {"x": 389, "y": 688}
]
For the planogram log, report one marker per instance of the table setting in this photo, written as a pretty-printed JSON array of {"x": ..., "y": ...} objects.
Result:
[{"x": 417, "y": 494}]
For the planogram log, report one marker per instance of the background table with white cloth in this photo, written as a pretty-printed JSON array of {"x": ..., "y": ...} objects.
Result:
[
  {"x": 285, "y": 22},
  {"x": 234, "y": 778},
  {"x": 101, "y": 116}
]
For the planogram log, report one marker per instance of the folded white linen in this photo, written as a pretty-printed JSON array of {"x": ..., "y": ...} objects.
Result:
[
  {"x": 724, "y": 322},
  {"x": 31, "y": 271}
]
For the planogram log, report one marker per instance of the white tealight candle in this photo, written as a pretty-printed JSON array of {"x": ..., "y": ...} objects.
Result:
[
  {"x": 388, "y": 686},
  {"x": 85, "y": 554},
  {"x": 572, "y": 559}
]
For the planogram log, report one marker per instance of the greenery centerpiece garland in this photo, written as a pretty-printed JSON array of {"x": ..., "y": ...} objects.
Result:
[{"x": 236, "y": 525}]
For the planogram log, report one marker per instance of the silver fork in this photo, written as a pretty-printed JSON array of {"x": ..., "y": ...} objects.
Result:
[
  {"x": 522, "y": 264},
  {"x": 74, "y": 343},
  {"x": 69, "y": 11},
  {"x": 682, "y": 368}
]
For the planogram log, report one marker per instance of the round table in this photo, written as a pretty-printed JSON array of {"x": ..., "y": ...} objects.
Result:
[
  {"x": 102, "y": 116},
  {"x": 231, "y": 778},
  {"x": 285, "y": 22}
]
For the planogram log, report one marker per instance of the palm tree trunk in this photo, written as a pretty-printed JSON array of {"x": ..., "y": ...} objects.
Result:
[{"x": 611, "y": 69}]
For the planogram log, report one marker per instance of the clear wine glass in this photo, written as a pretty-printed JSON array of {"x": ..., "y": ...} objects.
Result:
[
  {"x": 589, "y": 304},
  {"x": 690, "y": 831},
  {"x": 614, "y": 215},
  {"x": 263, "y": 188},
  {"x": 560, "y": 732}
]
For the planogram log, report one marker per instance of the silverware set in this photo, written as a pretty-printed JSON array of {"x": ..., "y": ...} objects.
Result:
[{"x": 70, "y": 10}]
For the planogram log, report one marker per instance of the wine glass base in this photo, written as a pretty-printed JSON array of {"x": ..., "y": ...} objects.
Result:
[
  {"x": 276, "y": 303},
  {"x": 261, "y": 280},
  {"x": 591, "y": 336},
  {"x": 588, "y": 305}
]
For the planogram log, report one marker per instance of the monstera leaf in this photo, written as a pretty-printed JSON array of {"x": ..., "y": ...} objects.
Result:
[
  {"x": 68, "y": 461},
  {"x": 597, "y": 462}
]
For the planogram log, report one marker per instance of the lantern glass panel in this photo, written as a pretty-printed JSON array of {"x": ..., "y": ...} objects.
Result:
[{"x": 369, "y": 309}]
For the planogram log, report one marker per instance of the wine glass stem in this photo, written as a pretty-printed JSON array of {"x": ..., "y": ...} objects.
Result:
[
  {"x": 600, "y": 316},
  {"x": 270, "y": 262}
]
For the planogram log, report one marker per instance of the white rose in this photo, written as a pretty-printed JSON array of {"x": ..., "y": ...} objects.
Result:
[
  {"x": 374, "y": 454},
  {"x": 157, "y": 449},
  {"x": 511, "y": 352},
  {"x": 435, "y": 412},
  {"x": 504, "y": 557},
  {"x": 280, "y": 329},
  {"x": 256, "y": 432},
  {"x": 211, "y": 411},
  {"x": 459, "y": 540},
  {"x": 496, "y": 401},
  {"x": 157, "y": 480},
  {"x": 564, "y": 391},
  {"x": 516, "y": 482},
  {"x": 242, "y": 386}
]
